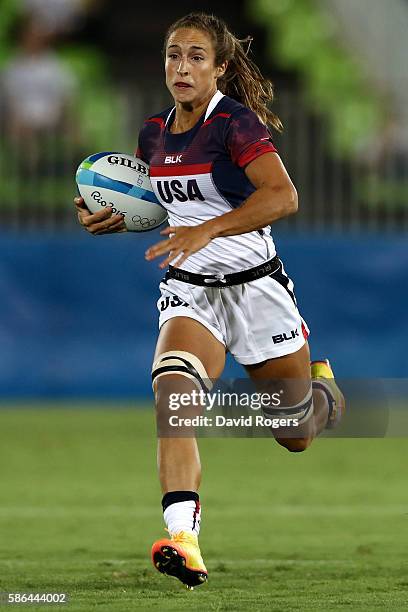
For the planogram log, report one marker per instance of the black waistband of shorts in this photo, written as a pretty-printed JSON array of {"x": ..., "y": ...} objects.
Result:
[{"x": 225, "y": 280}]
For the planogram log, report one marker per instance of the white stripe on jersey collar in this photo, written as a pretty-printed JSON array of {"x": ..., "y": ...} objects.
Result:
[{"x": 213, "y": 103}]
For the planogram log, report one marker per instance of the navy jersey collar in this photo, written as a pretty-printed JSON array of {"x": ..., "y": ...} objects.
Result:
[{"x": 211, "y": 106}]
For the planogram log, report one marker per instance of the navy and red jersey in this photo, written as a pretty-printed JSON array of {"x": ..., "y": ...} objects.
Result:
[{"x": 200, "y": 174}]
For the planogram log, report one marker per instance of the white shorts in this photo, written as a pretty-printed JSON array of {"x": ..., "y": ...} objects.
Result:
[{"x": 255, "y": 321}]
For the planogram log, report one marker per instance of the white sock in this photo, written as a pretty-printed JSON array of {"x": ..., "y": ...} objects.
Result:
[{"x": 183, "y": 516}]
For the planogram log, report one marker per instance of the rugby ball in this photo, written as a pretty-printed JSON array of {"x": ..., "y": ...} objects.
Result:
[{"x": 122, "y": 182}]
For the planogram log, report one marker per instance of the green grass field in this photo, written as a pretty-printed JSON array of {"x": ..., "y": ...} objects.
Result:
[{"x": 80, "y": 508}]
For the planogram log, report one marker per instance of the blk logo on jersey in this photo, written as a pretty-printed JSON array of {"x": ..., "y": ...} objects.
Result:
[
  {"x": 284, "y": 337},
  {"x": 173, "y": 159},
  {"x": 181, "y": 191}
]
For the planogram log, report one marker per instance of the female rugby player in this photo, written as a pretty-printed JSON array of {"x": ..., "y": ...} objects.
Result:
[{"x": 214, "y": 167}]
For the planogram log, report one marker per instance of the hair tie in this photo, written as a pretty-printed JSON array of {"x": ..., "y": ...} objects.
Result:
[{"x": 249, "y": 40}]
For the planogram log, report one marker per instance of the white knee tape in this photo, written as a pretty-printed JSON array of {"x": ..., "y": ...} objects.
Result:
[{"x": 184, "y": 364}]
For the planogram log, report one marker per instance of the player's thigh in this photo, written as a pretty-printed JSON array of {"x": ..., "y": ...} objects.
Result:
[
  {"x": 186, "y": 334},
  {"x": 290, "y": 373},
  {"x": 293, "y": 366}
]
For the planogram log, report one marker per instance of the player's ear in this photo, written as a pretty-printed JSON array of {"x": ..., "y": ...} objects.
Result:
[{"x": 221, "y": 70}]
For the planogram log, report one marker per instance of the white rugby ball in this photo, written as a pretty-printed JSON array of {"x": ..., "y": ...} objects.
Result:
[{"x": 122, "y": 182}]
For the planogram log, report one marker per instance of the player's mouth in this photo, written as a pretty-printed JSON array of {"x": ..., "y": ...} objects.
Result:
[{"x": 181, "y": 85}]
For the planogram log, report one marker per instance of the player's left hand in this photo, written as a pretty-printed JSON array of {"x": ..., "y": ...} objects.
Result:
[{"x": 183, "y": 241}]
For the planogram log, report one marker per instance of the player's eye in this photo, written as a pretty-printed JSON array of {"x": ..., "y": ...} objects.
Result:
[
  {"x": 197, "y": 58},
  {"x": 172, "y": 56}
]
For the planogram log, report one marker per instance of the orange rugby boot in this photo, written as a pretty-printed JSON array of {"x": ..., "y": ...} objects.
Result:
[{"x": 180, "y": 557}]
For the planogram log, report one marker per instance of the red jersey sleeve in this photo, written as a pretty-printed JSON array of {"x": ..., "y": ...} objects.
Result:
[{"x": 247, "y": 138}]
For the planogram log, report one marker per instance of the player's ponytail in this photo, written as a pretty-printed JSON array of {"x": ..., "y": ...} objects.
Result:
[{"x": 243, "y": 80}]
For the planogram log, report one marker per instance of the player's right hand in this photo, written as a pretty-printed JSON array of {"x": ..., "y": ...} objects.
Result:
[{"x": 101, "y": 222}]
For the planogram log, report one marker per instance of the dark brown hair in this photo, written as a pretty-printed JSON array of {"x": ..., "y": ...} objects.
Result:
[{"x": 242, "y": 80}]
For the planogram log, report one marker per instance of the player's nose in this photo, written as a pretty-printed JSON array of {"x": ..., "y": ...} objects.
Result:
[{"x": 182, "y": 67}]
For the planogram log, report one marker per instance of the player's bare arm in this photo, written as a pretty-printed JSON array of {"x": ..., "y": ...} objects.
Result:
[{"x": 275, "y": 198}]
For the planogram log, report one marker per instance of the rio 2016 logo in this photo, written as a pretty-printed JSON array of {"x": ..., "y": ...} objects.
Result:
[
  {"x": 143, "y": 222},
  {"x": 96, "y": 195}
]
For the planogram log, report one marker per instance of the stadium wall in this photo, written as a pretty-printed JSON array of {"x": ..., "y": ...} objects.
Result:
[{"x": 79, "y": 313}]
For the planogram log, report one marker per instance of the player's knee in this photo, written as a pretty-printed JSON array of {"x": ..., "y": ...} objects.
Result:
[
  {"x": 295, "y": 445},
  {"x": 164, "y": 392},
  {"x": 175, "y": 373},
  {"x": 296, "y": 415}
]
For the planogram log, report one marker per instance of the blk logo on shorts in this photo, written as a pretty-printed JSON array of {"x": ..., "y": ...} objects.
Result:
[{"x": 284, "y": 337}]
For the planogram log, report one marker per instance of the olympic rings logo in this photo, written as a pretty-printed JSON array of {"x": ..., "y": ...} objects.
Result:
[{"x": 143, "y": 221}]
